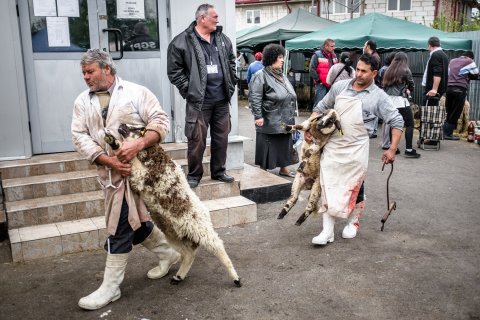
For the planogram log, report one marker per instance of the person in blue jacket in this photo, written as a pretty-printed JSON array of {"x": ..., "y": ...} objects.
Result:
[{"x": 255, "y": 66}]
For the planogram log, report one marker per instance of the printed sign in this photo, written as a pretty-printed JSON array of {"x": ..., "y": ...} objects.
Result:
[
  {"x": 58, "y": 32},
  {"x": 130, "y": 9}
]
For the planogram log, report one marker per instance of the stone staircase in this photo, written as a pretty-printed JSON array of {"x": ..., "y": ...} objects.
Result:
[{"x": 54, "y": 204}]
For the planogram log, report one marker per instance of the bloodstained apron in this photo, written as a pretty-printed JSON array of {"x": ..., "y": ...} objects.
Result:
[{"x": 344, "y": 161}]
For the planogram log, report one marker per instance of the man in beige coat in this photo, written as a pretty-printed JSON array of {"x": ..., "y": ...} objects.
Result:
[{"x": 109, "y": 102}]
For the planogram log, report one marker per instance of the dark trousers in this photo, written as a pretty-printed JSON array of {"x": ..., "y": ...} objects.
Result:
[
  {"x": 361, "y": 194},
  {"x": 125, "y": 237},
  {"x": 217, "y": 117},
  {"x": 407, "y": 116},
  {"x": 454, "y": 104}
]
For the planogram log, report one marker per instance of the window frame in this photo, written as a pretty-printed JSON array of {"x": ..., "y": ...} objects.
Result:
[
  {"x": 345, "y": 5},
  {"x": 253, "y": 16},
  {"x": 397, "y": 7}
]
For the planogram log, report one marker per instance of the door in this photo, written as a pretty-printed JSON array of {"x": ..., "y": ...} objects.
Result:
[{"x": 55, "y": 33}]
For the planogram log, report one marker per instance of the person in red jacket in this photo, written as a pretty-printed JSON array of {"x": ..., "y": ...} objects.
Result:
[{"x": 320, "y": 64}]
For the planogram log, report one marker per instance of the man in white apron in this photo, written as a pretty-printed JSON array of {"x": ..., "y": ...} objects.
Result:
[{"x": 344, "y": 160}]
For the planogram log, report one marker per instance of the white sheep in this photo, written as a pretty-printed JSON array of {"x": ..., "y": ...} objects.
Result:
[
  {"x": 321, "y": 128},
  {"x": 172, "y": 204}
]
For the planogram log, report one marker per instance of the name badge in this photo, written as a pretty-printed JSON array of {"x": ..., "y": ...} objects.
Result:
[{"x": 212, "y": 68}]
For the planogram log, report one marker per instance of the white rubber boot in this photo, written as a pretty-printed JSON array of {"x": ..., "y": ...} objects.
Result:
[
  {"x": 157, "y": 244},
  {"x": 327, "y": 234},
  {"x": 350, "y": 230},
  {"x": 109, "y": 291}
]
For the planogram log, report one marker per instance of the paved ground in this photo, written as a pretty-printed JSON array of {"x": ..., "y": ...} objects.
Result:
[{"x": 425, "y": 265}]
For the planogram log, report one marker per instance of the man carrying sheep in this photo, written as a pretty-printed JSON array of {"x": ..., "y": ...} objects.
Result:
[
  {"x": 109, "y": 102},
  {"x": 344, "y": 161}
]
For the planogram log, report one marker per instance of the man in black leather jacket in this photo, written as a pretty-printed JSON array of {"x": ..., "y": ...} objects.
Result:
[{"x": 201, "y": 64}]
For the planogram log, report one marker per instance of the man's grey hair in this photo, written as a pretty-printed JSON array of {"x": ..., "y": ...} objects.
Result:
[
  {"x": 202, "y": 10},
  {"x": 102, "y": 58}
]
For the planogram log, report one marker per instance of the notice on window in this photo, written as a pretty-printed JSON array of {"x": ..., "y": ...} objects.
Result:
[
  {"x": 44, "y": 8},
  {"x": 68, "y": 8},
  {"x": 130, "y": 9},
  {"x": 58, "y": 32}
]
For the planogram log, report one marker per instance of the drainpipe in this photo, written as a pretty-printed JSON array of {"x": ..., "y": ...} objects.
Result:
[
  {"x": 435, "y": 14},
  {"x": 288, "y": 7}
]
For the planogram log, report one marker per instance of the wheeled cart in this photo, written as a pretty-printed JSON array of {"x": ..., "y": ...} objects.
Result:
[{"x": 432, "y": 116}]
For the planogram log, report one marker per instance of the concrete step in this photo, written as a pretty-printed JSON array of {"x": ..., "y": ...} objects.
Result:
[
  {"x": 183, "y": 163},
  {"x": 54, "y": 209},
  {"x": 179, "y": 150},
  {"x": 209, "y": 189},
  {"x": 61, "y": 238},
  {"x": 69, "y": 162},
  {"x": 80, "y": 205},
  {"x": 44, "y": 164},
  {"x": 262, "y": 186},
  {"x": 47, "y": 185},
  {"x": 61, "y": 183}
]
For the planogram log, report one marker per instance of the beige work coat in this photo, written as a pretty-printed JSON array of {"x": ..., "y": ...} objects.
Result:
[{"x": 130, "y": 104}]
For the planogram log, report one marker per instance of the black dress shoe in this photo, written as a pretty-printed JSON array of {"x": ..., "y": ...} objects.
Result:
[
  {"x": 193, "y": 182},
  {"x": 224, "y": 178}
]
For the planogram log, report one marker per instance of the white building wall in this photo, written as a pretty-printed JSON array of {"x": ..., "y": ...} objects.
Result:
[
  {"x": 14, "y": 130},
  {"x": 268, "y": 13},
  {"x": 422, "y": 12}
]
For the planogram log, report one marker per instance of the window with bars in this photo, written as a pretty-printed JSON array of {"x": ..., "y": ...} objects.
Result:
[
  {"x": 399, "y": 5},
  {"x": 253, "y": 16},
  {"x": 340, "y": 6}
]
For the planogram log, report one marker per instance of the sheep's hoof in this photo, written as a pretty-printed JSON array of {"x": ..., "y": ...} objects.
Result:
[
  {"x": 301, "y": 219},
  {"x": 237, "y": 283},
  {"x": 282, "y": 214},
  {"x": 176, "y": 280}
]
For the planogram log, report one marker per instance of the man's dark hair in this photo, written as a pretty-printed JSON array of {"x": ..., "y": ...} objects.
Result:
[
  {"x": 389, "y": 57},
  {"x": 271, "y": 52},
  {"x": 372, "y": 45},
  {"x": 434, "y": 42},
  {"x": 469, "y": 54},
  {"x": 369, "y": 60}
]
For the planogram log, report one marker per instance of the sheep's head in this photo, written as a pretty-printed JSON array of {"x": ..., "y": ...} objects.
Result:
[
  {"x": 325, "y": 124},
  {"x": 131, "y": 132},
  {"x": 111, "y": 140}
]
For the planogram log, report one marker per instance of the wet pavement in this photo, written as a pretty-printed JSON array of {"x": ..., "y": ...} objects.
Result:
[{"x": 425, "y": 265}]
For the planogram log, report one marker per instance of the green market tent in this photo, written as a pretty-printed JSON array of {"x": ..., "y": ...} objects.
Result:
[
  {"x": 389, "y": 33},
  {"x": 295, "y": 24},
  {"x": 242, "y": 32}
]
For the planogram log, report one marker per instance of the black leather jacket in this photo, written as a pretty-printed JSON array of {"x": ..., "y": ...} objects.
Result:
[
  {"x": 187, "y": 70},
  {"x": 273, "y": 101}
]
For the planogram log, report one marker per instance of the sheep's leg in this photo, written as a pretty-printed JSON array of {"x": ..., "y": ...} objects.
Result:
[
  {"x": 188, "y": 256},
  {"x": 297, "y": 186},
  {"x": 312, "y": 201},
  {"x": 218, "y": 250}
]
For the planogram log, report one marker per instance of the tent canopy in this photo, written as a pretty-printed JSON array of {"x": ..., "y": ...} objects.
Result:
[
  {"x": 242, "y": 32},
  {"x": 389, "y": 33},
  {"x": 295, "y": 24}
]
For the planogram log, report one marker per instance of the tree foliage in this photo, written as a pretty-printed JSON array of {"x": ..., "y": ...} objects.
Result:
[{"x": 452, "y": 25}]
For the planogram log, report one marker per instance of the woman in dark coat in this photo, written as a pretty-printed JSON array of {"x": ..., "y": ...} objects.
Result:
[{"x": 273, "y": 102}]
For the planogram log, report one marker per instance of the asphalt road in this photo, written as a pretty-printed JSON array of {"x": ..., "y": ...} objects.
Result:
[{"x": 425, "y": 265}]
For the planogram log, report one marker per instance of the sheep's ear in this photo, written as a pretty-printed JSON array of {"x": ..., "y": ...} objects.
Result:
[
  {"x": 110, "y": 139},
  {"x": 305, "y": 125},
  {"x": 339, "y": 127},
  {"x": 124, "y": 130}
]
